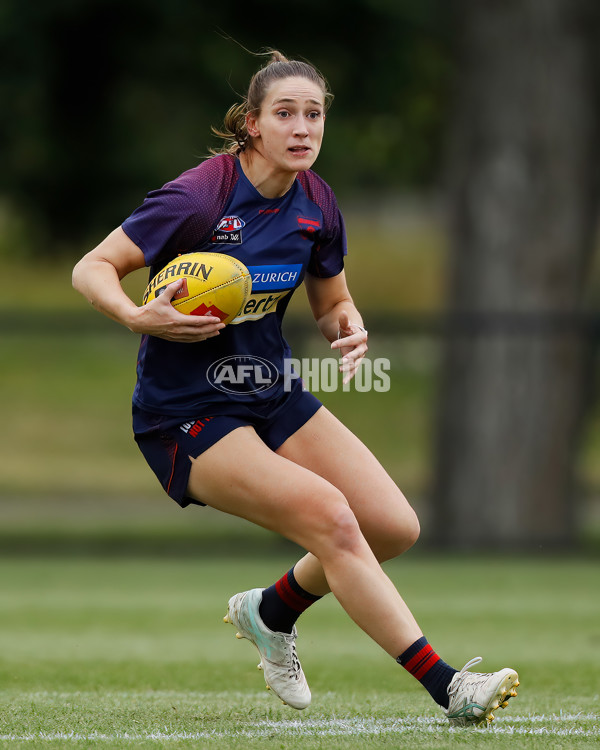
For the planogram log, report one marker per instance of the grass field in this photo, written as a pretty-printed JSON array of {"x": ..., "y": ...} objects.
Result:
[
  {"x": 126, "y": 652},
  {"x": 130, "y": 651}
]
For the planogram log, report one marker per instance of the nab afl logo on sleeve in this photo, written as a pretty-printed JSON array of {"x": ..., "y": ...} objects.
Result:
[{"x": 228, "y": 231}]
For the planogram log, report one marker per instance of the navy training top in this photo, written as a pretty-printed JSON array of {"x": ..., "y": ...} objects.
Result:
[{"x": 215, "y": 208}]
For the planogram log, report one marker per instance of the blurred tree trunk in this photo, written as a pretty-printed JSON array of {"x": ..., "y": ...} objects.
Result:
[{"x": 523, "y": 209}]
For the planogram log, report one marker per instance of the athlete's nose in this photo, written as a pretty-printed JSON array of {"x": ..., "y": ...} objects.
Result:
[{"x": 300, "y": 129}]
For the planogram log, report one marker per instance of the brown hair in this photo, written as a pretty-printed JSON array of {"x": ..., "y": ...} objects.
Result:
[{"x": 234, "y": 132}]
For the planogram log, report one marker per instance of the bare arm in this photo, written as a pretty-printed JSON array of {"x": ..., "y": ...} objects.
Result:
[
  {"x": 338, "y": 319},
  {"x": 98, "y": 277}
]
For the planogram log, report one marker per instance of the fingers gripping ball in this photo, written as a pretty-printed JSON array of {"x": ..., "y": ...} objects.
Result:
[{"x": 213, "y": 284}]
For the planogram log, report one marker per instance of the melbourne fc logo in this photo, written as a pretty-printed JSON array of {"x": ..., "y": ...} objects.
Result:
[
  {"x": 242, "y": 374},
  {"x": 228, "y": 231},
  {"x": 230, "y": 224}
]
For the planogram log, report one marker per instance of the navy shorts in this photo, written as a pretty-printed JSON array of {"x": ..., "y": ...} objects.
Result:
[{"x": 167, "y": 442}]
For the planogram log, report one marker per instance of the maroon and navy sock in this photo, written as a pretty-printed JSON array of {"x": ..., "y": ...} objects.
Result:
[
  {"x": 433, "y": 673},
  {"x": 284, "y": 602}
]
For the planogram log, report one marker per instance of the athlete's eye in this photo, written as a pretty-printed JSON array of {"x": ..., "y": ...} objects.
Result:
[
  {"x": 283, "y": 113},
  {"x": 314, "y": 115}
]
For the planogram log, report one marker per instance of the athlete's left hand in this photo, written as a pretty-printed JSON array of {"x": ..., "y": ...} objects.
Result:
[{"x": 352, "y": 343}]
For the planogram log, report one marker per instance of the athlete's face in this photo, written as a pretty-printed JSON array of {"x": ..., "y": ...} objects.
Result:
[{"x": 288, "y": 131}]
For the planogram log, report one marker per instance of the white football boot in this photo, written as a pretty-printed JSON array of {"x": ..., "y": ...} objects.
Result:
[
  {"x": 475, "y": 695},
  {"x": 278, "y": 659}
]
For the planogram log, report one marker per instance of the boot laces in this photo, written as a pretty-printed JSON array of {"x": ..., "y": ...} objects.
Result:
[
  {"x": 457, "y": 683},
  {"x": 294, "y": 668}
]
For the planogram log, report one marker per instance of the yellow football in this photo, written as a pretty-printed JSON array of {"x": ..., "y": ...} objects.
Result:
[{"x": 213, "y": 284}]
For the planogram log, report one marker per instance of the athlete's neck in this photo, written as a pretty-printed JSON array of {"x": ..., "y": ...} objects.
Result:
[{"x": 267, "y": 179}]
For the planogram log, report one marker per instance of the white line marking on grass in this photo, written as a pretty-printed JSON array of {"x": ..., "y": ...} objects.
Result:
[{"x": 337, "y": 728}]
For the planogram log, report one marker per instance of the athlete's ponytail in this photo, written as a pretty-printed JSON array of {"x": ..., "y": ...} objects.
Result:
[{"x": 233, "y": 132}]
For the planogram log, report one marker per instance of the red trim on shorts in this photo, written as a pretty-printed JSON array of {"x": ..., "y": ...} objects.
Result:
[{"x": 172, "y": 469}]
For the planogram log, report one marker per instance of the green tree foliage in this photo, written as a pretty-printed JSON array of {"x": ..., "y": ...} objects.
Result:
[{"x": 105, "y": 100}]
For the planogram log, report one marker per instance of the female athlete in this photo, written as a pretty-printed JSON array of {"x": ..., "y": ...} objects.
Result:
[{"x": 275, "y": 457}]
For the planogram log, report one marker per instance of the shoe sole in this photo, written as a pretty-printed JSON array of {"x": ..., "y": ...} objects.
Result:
[{"x": 506, "y": 689}]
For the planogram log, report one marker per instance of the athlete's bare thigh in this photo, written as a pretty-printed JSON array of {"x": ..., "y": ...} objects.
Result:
[
  {"x": 240, "y": 475},
  {"x": 327, "y": 447}
]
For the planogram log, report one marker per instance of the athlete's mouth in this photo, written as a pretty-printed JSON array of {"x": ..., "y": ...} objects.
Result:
[{"x": 299, "y": 149}]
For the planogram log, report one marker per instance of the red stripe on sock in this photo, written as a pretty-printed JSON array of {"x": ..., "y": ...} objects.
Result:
[
  {"x": 422, "y": 662},
  {"x": 426, "y": 666},
  {"x": 414, "y": 663},
  {"x": 290, "y": 597}
]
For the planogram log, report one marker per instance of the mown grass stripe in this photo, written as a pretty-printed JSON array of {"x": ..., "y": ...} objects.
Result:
[{"x": 336, "y": 727}]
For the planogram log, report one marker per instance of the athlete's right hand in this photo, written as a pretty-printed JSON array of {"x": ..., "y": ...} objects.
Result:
[{"x": 159, "y": 318}]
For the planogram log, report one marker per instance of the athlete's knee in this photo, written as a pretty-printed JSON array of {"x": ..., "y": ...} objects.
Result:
[
  {"x": 397, "y": 537},
  {"x": 338, "y": 529},
  {"x": 345, "y": 533},
  {"x": 411, "y": 530}
]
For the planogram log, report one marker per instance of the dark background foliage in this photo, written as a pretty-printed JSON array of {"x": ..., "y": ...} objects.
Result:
[{"x": 104, "y": 100}]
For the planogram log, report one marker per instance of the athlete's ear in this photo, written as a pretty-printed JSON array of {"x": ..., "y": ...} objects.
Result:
[{"x": 252, "y": 125}]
